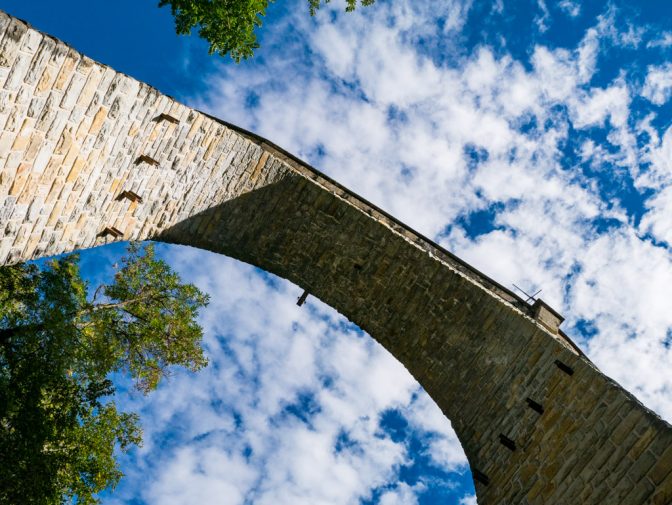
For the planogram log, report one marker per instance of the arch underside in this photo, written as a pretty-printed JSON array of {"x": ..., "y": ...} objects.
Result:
[{"x": 89, "y": 156}]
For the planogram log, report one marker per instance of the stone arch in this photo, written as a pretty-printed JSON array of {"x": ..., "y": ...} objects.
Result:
[{"x": 89, "y": 156}]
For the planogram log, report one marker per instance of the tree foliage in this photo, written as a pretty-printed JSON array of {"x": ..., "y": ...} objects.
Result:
[
  {"x": 59, "y": 424},
  {"x": 229, "y": 25},
  {"x": 350, "y": 6}
]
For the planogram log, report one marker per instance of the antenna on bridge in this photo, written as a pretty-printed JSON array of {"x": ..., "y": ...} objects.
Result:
[{"x": 529, "y": 296}]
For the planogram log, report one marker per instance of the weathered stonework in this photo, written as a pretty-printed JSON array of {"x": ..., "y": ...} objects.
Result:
[{"x": 90, "y": 156}]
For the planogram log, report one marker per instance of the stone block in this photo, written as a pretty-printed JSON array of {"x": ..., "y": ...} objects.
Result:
[
  {"x": 67, "y": 70},
  {"x": 9, "y": 47},
  {"x": 39, "y": 62}
]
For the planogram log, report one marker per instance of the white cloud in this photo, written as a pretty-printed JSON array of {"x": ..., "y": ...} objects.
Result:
[
  {"x": 468, "y": 500},
  {"x": 542, "y": 20},
  {"x": 570, "y": 7},
  {"x": 623, "y": 287},
  {"x": 444, "y": 446},
  {"x": 657, "y": 220},
  {"x": 658, "y": 85},
  {"x": 206, "y": 476},
  {"x": 664, "y": 40},
  {"x": 630, "y": 37},
  {"x": 593, "y": 108},
  {"x": 401, "y": 495}
]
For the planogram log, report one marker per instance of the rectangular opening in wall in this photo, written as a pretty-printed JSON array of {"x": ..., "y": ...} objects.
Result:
[
  {"x": 110, "y": 231},
  {"x": 129, "y": 195},
  {"x": 166, "y": 117},
  {"x": 507, "y": 442},
  {"x": 535, "y": 406},
  {"x": 565, "y": 368},
  {"x": 480, "y": 477},
  {"x": 143, "y": 158}
]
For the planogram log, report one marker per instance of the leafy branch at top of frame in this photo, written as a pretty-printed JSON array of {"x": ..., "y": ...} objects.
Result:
[{"x": 229, "y": 25}]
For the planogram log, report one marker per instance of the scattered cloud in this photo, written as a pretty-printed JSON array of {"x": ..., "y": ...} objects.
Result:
[
  {"x": 542, "y": 20},
  {"x": 665, "y": 40},
  {"x": 468, "y": 500},
  {"x": 658, "y": 85},
  {"x": 571, "y": 7}
]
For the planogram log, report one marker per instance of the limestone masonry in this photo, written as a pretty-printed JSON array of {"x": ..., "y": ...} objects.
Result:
[{"x": 89, "y": 156}]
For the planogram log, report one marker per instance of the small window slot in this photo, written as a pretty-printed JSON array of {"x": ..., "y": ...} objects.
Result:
[
  {"x": 166, "y": 117},
  {"x": 110, "y": 231},
  {"x": 535, "y": 406},
  {"x": 129, "y": 195},
  {"x": 143, "y": 158},
  {"x": 481, "y": 477},
  {"x": 507, "y": 442},
  {"x": 565, "y": 368}
]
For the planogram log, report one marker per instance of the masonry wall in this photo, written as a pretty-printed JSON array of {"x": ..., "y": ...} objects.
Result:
[{"x": 90, "y": 156}]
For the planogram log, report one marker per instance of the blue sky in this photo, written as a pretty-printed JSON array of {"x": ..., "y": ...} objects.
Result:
[{"x": 532, "y": 138}]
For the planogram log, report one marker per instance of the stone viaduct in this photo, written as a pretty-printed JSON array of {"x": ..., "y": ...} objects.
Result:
[{"x": 89, "y": 156}]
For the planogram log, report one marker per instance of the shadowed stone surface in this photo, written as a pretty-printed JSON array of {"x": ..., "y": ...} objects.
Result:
[{"x": 89, "y": 156}]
